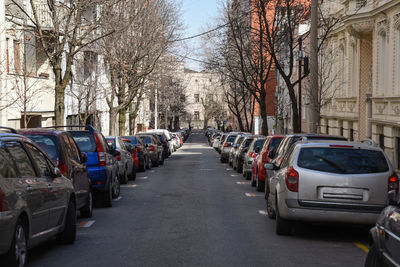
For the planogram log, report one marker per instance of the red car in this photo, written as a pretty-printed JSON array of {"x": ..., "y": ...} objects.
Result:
[{"x": 258, "y": 171}]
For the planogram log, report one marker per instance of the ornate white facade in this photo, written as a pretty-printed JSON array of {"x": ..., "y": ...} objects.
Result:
[{"x": 365, "y": 51}]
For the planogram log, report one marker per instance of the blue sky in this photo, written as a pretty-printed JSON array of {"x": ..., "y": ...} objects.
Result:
[{"x": 196, "y": 15}]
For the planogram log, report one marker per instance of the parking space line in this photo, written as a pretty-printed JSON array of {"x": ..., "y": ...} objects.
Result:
[
  {"x": 252, "y": 195},
  {"x": 142, "y": 178},
  {"x": 228, "y": 169},
  {"x": 85, "y": 224},
  {"x": 128, "y": 185},
  {"x": 361, "y": 246},
  {"x": 242, "y": 183},
  {"x": 234, "y": 175},
  {"x": 263, "y": 212},
  {"x": 118, "y": 198}
]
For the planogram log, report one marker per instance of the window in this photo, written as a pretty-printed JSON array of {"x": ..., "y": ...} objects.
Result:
[
  {"x": 342, "y": 160},
  {"x": 351, "y": 135},
  {"x": 40, "y": 160},
  {"x": 7, "y": 167},
  {"x": 382, "y": 63},
  {"x": 22, "y": 160},
  {"x": 85, "y": 141},
  {"x": 17, "y": 57},
  {"x": 341, "y": 133},
  {"x": 361, "y": 3},
  {"x": 197, "y": 98},
  {"x": 49, "y": 144},
  {"x": 74, "y": 148},
  {"x": 196, "y": 115},
  {"x": 341, "y": 71},
  {"x": 354, "y": 72},
  {"x": 396, "y": 52},
  {"x": 382, "y": 141}
]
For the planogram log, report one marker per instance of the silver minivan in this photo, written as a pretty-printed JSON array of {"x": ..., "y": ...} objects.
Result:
[{"x": 329, "y": 181}]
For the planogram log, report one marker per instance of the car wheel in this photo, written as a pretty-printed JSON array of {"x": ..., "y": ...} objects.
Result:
[
  {"x": 373, "y": 258},
  {"x": 259, "y": 184},
  {"x": 239, "y": 168},
  {"x": 162, "y": 160},
  {"x": 116, "y": 188},
  {"x": 270, "y": 211},
  {"x": 132, "y": 175},
  {"x": 244, "y": 173},
  {"x": 253, "y": 181},
  {"x": 248, "y": 176},
  {"x": 17, "y": 254},
  {"x": 283, "y": 227},
  {"x": 87, "y": 210},
  {"x": 67, "y": 236},
  {"x": 107, "y": 196},
  {"x": 124, "y": 179},
  {"x": 149, "y": 163}
]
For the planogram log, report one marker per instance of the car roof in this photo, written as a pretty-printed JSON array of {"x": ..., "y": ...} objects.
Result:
[
  {"x": 337, "y": 144},
  {"x": 41, "y": 131},
  {"x": 315, "y": 135}
]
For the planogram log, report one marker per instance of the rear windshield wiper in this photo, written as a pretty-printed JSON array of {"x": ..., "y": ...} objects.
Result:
[{"x": 333, "y": 164}]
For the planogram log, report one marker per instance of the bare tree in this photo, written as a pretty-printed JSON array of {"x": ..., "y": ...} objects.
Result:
[
  {"x": 131, "y": 55},
  {"x": 63, "y": 29}
]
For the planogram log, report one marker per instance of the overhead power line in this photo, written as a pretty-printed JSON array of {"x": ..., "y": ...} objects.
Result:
[{"x": 200, "y": 34}]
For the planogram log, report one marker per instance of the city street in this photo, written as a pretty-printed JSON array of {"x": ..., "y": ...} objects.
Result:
[{"x": 194, "y": 211}]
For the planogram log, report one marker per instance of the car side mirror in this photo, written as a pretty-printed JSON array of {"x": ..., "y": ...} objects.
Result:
[
  {"x": 56, "y": 173},
  {"x": 83, "y": 157},
  {"x": 257, "y": 150},
  {"x": 270, "y": 166}
]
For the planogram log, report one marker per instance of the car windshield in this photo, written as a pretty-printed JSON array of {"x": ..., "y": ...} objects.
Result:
[
  {"x": 85, "y": 141},
  {"x": 49, "y": 144},
  {"x": 342, "y": 160},
  {"x": 275, "y": 143},
  {"x": 259, "y": 143}
]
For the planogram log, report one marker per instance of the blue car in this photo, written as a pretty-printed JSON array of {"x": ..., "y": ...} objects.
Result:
[{"x": 101, "y": 163}]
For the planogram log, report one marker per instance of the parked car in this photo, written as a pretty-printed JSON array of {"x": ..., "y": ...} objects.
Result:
[
  {"x": 166, "y": 139},
  {"x": 126, "y": 165},
  {"x": 227, "y": 145},
  {"x": 136, "y": 146},
  {"x": 278, "y": 154},
  {"x": 249, "y": 153},
  {"x": 235, "y": 147},
  {"x": 239, "y": 155},
  {"x": 385, "y": 238},
  {"x": 216, "y": 142},
  {"x": 221, "y": 142},
  {"x": 258, "y": 176},
  {"x": 329, "y": 181},
  {"x": 66, "y": 156},
  {"x": 36, "y": 201},
  {"x": 101, "y": 163},
  {"x": 155, "y": 148}
]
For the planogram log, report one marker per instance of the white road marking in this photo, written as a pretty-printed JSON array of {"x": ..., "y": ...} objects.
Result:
[
  {"x": 118, "y": 198},
  {"x": 242, "y": 183},
  {"x": 143, "y": 178},
  {"x": 252, "y": 195},
  {"x": 128, "y": 185},
  {"x": 263, "y": 212},
  {"x": 88, "y": 224},
  {"x": 207, "y": 169},
  {"x": 228, "y": 169},
  {"x": 234, "y": 175}
]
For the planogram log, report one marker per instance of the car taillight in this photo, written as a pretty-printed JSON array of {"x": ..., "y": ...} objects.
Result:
[
  {"x": 100, "y": 151},
  {"x": 252, "y": 154},
  {"x": 3, "y": 202},
  {"x": 393, "y": 184},
  {"x": 292, "y": 179},
  {"x": 118, "y": 158},
  {"x": 227, "y": 145},
  {"x": 151, "y": 148},
  {"x": 62, "y": 167}
]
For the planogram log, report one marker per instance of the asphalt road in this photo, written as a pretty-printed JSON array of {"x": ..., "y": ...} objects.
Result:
[{"x": 193, "y": 212}]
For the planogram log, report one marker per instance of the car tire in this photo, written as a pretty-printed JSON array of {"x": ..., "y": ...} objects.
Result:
[
  {"x": 132, "y": 175},
  {"x": 259, "y": 184},
  {"x": 87, "y": 210},
  {"x": 124, "y": 178},
  {"x": 68, "y": 235},
  {"x": 107, "y": 196},
  {"x": 283, "y": 227},
  {"x": 149, "y": 164},
  {"x": 18, "y": 252},
  {"x": 270, "y": 211},
  {"x": 116, "y": 188},
  {"x": 248, "y": 176},
  {"x": 373, "y": 258}
]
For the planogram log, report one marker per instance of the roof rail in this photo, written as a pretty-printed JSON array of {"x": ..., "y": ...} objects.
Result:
[
  {"x": 369, "y": 142},
  {"x": 89, "y": 127},
  {"x": 12, "y": 130},
  {"x": 304, "y": 139}
]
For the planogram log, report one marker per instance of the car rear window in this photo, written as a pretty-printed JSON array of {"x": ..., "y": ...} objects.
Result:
[
  {"x": 48, "y": 143},
  {"x": 110, "y": 141},
  {"x": 231, "y": 138},
  {"x": 342, "y": 160},
  {"x": 146, "y": 139},
  {"x": 247, "y": 142},
  {"x": 275, "y": 143},
  {"x": 133, "y": 139},
  {"x": 259, "y": 143},
  {"x": 85, "y": 141}
]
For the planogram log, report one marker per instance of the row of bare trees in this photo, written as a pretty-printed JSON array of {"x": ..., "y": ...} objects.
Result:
[
  {"x": 259, "y": 43},
  {"x": 117, "y": 44}
]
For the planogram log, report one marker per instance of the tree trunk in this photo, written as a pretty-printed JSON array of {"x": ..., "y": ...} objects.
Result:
[
  {"x": 113, "y": 118},
  {"x": 264, "y": 115},
  {"x": 59, "y": 109},
  {"x": 295, "y": 111},
  {"x": 122, "y": 121}
]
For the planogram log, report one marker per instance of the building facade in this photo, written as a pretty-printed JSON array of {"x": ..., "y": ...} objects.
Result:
[{"x": 365, "y": 75}]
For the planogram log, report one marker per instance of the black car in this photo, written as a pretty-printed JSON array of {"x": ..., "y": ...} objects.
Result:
[
  {"x": 135, "y": 144},
  {"x": 66, "y": 156},
  {"x": 385, "y": 239}
]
